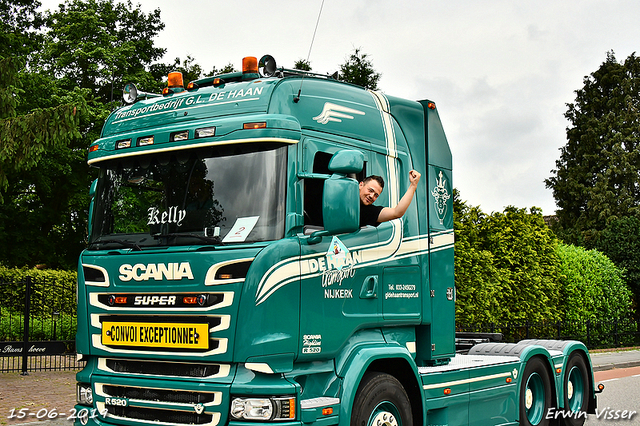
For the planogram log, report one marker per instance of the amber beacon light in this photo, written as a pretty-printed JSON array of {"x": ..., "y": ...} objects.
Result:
[{"x": 250, "y": 65}]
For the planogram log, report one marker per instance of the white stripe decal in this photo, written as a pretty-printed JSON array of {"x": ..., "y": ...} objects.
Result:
[
  {"x": 395, "y": 248},
  {"x": 392, "y": 151},
  {"x": 465, "y": 381}
]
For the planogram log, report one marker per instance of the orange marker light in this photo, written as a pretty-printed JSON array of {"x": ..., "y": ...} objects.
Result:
[
  {"x": 250, "y": 65},
  {"x": 175, "y": 80},
  {"x": 260, "y": 125},
  {"x": 447, "y": 391},
  {"x": 558, "y": 370},
  {"x": 508, "y": 379},
  {"x": 327, "y": 411},
  {"x": 431, "y": 105},
  {"x": 94, "y": 148},
  {"x": 292, "y": 408}
]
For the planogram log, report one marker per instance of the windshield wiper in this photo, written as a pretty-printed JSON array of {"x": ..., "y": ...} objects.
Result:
[
  {"x": 210, "y": 240},
  {"x": 123, "y": 243}
]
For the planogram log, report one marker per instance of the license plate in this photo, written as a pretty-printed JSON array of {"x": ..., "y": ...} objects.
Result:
[{"x": 156, "y": 335}]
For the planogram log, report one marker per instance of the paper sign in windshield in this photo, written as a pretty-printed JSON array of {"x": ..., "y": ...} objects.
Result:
[{"x": 241, "y": 229}]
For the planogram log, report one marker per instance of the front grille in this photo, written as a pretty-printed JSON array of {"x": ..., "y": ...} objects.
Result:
[
  {"x": 162, "y": 416},
  {"x": 163, "y": 368},
  {"x": 164, "y": 395},
  {"x": 159, "y": 405}
]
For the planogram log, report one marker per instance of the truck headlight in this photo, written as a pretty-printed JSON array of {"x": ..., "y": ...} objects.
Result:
[
  {"x": 84, "y": 395},
  {"x": 275, "y": 408}
]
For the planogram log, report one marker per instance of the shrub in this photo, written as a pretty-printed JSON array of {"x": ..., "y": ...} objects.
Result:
[{"x": 592, "y": 287}]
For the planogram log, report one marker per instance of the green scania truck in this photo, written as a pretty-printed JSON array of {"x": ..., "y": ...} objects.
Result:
[{"x": 227, "y": 280}]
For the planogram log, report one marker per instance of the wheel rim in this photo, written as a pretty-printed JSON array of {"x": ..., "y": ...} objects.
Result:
[
  {"x": 575, "y": 389},
  {"x": 385, "y": 414},
  {"x": 534, "y": 399}
]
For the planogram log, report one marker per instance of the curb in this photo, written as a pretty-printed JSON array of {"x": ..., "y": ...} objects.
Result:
[{"x": 612, "y": 366}]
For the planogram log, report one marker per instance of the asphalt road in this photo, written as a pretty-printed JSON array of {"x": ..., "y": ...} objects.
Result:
[
  {"x": 620, "y": 398},
  {"x": 618, "y": 371}
]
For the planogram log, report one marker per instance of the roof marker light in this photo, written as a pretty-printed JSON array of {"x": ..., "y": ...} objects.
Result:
[
  {"x": 124, "y": 143},
  {"x": 179, "y": 136},
  {"x": 144, "y": 141},
  {"x": 205, "y": 132}
]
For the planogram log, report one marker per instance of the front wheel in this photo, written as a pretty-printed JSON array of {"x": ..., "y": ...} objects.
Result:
[
  {"x": 381, "y": 401},
  {"x": 535, "y": 394}
]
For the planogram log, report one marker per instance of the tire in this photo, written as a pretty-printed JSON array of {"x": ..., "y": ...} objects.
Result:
[
  {"x": 535, "y": 394},
  {"x": 576, "y": 390},
  {"x": 382, "y": 400}
]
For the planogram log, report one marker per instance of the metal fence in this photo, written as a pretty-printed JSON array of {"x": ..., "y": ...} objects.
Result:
[
  {"x": 38, "y": 322},
  {"x": 595, "y": 334}
]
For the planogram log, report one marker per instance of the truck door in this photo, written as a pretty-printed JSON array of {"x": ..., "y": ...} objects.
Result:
[{"x": 340, "y": 279}]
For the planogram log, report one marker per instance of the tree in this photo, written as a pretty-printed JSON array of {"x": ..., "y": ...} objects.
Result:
[
  {"x": 19, "y": 25},
  {"x": 596, "y": 182},
  {"x": 88, "y": 49},
  {"x": 597, "y": 178},
  {"x": 302, "y": 65},
  {"x": 620, "y": 241},
  {"x": 26, "y": 131},
  {"x": 358, "y": 69},
  {"x": 101, "y": 45}
]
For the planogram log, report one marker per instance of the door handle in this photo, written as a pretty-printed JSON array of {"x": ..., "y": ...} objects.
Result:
[{"x": 369, "y": 288}]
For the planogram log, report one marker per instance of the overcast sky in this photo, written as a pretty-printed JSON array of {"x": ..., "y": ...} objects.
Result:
[{"x": 501, "y": 72}]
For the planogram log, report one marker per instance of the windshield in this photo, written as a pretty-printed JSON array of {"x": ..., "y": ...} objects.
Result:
[{"x": 213, "y": 195}]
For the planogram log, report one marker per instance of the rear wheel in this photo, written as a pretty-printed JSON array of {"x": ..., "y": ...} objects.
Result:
[
  {"x": 535, "y": 394},
  {"x": 575, "y": 385},
  {"x": 381, "y": 401}
]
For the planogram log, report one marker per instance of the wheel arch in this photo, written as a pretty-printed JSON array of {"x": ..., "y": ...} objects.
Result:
[
  {"x": 395, "y": 361},
  {"x": 570, "y": 348}
]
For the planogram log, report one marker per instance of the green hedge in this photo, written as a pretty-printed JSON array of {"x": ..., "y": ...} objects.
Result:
[
  {"x": 510, "y": 267},
  {"x": 591, "y": 285},
  {"x": 54, "y": 290},
  {"x": 41, "y": 327}
]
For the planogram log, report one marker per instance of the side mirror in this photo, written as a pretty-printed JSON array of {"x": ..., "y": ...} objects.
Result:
[
  {"x": 341, "y": 195},
  {"x": 347, "y": 161},
  {"x": 92, "y": 195},
  {"x": 341, "y": 205}
]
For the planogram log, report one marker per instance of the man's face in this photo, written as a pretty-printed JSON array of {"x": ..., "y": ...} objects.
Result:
[{"x": 369, "y": 192}]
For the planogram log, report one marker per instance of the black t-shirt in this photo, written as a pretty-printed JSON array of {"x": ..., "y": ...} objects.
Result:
[{"x": 369, "y": 214}]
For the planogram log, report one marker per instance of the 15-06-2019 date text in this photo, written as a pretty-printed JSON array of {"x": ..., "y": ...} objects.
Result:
[{"x": 45, "y": 413}]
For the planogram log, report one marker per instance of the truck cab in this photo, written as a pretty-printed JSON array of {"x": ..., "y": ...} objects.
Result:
[{"x": 228, "y": 280}]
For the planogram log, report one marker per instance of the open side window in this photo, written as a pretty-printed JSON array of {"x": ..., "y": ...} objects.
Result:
[{"x": 314, "y": 186}]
